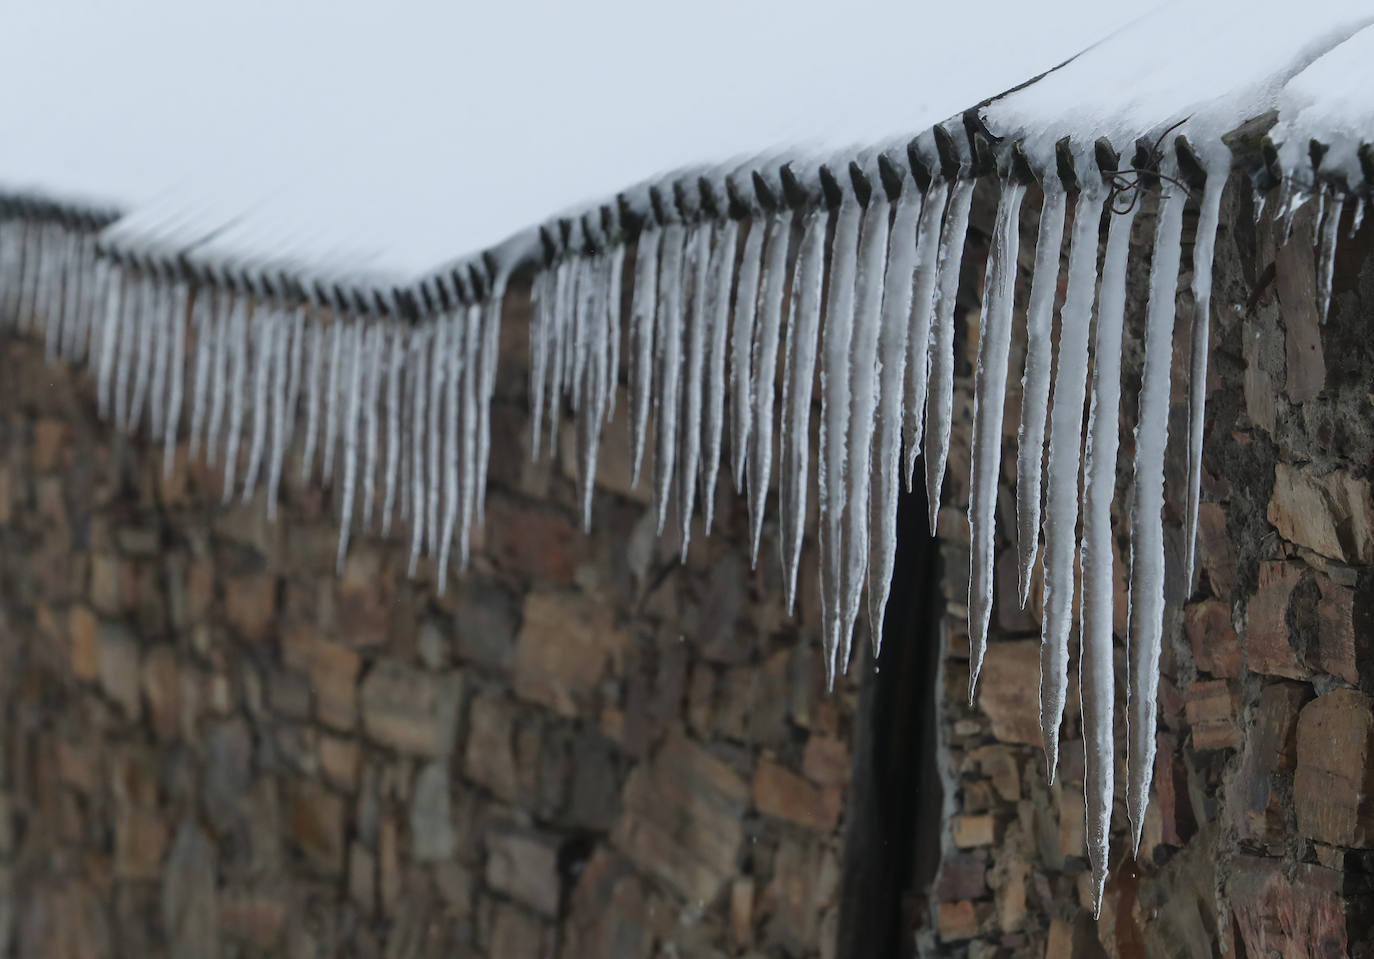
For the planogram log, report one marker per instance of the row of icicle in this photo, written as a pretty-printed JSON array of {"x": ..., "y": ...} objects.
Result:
[{"x": 396, "y": 412}]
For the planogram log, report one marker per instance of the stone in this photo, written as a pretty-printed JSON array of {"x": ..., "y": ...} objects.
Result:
[
  {"x": 1255, "y": 805},
  {"x": 257, "y": 918},
  {"x": 742, "y": 913},
  {"x": 525, "y": 867},
  {"x": 162, "y": 689},
  {"x": 112, "y": 584},
  {"x": 50, "y": 437},
  {"x": 190, "y": 904},
  {"x": 610, "y": 914},
  {"x": 389, "y": 866},
  {"x": 502, "y": 753},
  {"x": 315, "y": 818},
  {"x": 332, "y": 672},
  {"x": 1332, "y": 514},
  {"x": 362, "y": 877},
  {"x": 1333, "y": 785},
  {"x": 432, "y": 838},
  {"x": 1010, "y": 702},
  {"x": 1000, "y": 766},
  {"x": 484, "y": 624},
  {"x": 83, "y": 648},
  {"x": 969, "y": 832},
  {"x": 140, "y": 839},
  {"x": 1216, "y": 647},
  {"x": 567, "y": 646},
  {"x": 250, "y": 605},
  {"x": 1268, "y": 638},
  {"x": 958, "y": 921},
  {"x": 513, "y": 933},
  {"x": 1333, "y": 647},
  {"x": 683, "y": 818},
  {"x": 228, "y": 772},
  {"x": 1276, "y": 915},
  {"x": 781, "y": 793},
  {"x": 530, "y": 541},
  {"x": 455, "y": 883},
  {"x": 962, "y": 876},
  {"x": 1214, "y": 552},
  {"x": 826, "y": 760},
  {"x": 118, "y": 664},
  {"x": 340, "y": 761},
  {"x": 409, "y": 710},
  {"x": 803, "y": 884},
  {"x": 1211, "y": 707}
]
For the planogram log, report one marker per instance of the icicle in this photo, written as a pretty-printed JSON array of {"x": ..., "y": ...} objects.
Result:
[
  {"x": 1358, "y": 218},
  {"x": 541, "y": 322},
  {"x": 150, "y": 313},
  {"x": 614, "y": 285},
  {"x": 60, "y": 280},
  {"x": 863, "y": 381},
  {"x": 560, "y": 349},
  {"x": 352, "y": 376},
  {"x": 763, "y": 370},
  {"x": 489, "y": 315},
  {"x": 1146, "y": 596},
  {"x": 898, "y": 285},
  {"x": 162, "y": 336},
  {"x": 699, "y": 272},
  {"x": 113, "y": 283},
  {"x": 395, "y": 370},
  {"x": 1209, "y": 215},
  {"x": 1095, "y": 672},
  {"x": 418, "y": 362},
  {"x": 593, "y": 389},
  {"x": 74, "y": 296},
  {"x": 838, "y": 333},
  {"x": 722, "y": 272},
  {"x": 134, "y": 308},
  {"x": 940, "y": 412},
  {"x": 794, "y": 440},
  {"x": 226, "y": 304},
  {"x": 643, "y": 308},
  {"x": 468, "y": 477},
  {"x": 265, "y": 322},
  {"x": 1061, "y": 495},
  {"x": 333, "y": 395},
  {"x": 989, "y": 401},
  {"x": 1326, "y": 254},
  {"x": 372, "y": 385},
  {"x": 741, "y": 342},
  {"x": 454, "y": 376},
  {"x": 922, "y": 311},
  {"x": 204, "y": 323},
  {"x": 238, "y": 351},
  {"x": 582, "y": 301},
  {"x": 314, "y": 358},
  {"x": 285, "y": 385},
  {"x": 177, "y": 363},
  {"x": 668, "y": 336},
  {"x": 1035, "y": 383},
  {"x": 437, "y": 359}
]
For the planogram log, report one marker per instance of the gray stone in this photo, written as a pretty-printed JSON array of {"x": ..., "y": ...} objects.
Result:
[
  {"x": 432, "y": 838},
  {"x": 190, "y": 911}
]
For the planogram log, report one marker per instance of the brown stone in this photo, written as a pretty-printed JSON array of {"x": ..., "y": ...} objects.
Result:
[
  {"x": 140, "y": 840},
  {"x": 1211, "y": 710},
  {"x": 568, "y": 643},
  {"x": 962, "y": 876},
  {"x": 611, "y": 914},
  {"x": 1214, "y": 550},
  {"x": 1276, "y": 915},
  {"x": 1270, "y": 748},
  {"x": 1333, "y": 647},
  {"x": 1216, "y": 647},
  {"x": 362, "y": 877},
  {"x": 316, "y": 820},
  {"x": 683, "y": 818},
  {"x": 83, "y": 648},
  {"x": 1333, "y": 787},
  {"x": 118, "y": 656},
  {"x": 530, "y": 541},
  {"x": 258, "y": 918},
  {"x": 389, "y": 866},
  {"x": 514, "y": 933},
  {"x": 525, "y": 867},
  {"x": 340, "y": 761},
  {"x": 502, "y": 753},
  {"x": 1332, "y": 514},
  {"x": 409, "y": 710},
  {"x": 1268, "y": 638},
  {"x": 1000, "y": 766},
  {"x": 162, "y": 689},
  {"x": 332, "y": 672},
  {"x": 1010, "y": 702},
  {"x": 742, "y": 912},
  {"x": 781, "y": 793},
  {"x": 250, "y": 605},
  {"x": 50, "y": 436},
  {"x": 972, "y": 831},
  {"x": 958, "y": 921},
  {"x": 113, "y": 584},
  {"x": 826, "y": 760}
]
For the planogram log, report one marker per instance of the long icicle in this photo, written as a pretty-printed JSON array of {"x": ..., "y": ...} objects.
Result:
[
  {"x": 203, "y": 321},
  {"x": 238, "y": 352},
  {"x": 418, "y": 362},
  {"x": 226, "y": 304},
  {"x": 172, "y": 419},
  {"x": 333, "y": 395},
  {"x": 471, "y": 462},
  {"x": 669, "y": 373},
  {"x": 763, "y": 372},
  {"x": 454, "y": 375},
  {"x": 898, "y": 288},
  {"x": 699, "y": 266},
  {"x": 940, "y": 403},
  {"x": 741, "y": 343},
  {"x": 1035, "y": 383},
  {"x": 1204, "y": 247},
  {"x": 593, "y": 388},
  {"x": 1061, "y": 496},
  {"x": 1095, "y": 672},
  {"x": 437, "y": 359},
  {"x": 541, "y": 292},
  {"x": 643, "y": 309},
  {"x": 1326, "y": 253},
  {"x": 489, "y": 315},
  {"x": 372, "y": 385},
  {"x": 284, "y": 389},
  {"x": 989, "y": 401},
  {"x": 794, "y": 440},
  {"x": 836, "y": 339},
  {"x": 1146, "y": 597},
  {"x": 722, "y": 270},
  {"x": 615, "y": 282},
  {"x": 394, "y": 373},
  {"x": 162, "y": 342},
  {"x": 922, "y": 310},
  {"x": 314, "y": 357},
  {"x": 265, "y": 326},
  {"x": 352, "y": 383},
  {"x": 863, "y": 382}
]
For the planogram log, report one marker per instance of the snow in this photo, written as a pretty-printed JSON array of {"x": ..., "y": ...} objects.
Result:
[{"x": 1329, "y": 101}]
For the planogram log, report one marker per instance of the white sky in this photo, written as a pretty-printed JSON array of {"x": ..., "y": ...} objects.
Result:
[{"x": 395, "y": 136}]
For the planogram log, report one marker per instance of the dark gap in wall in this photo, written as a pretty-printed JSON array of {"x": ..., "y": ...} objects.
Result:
[{"x": 892, "y": 833}]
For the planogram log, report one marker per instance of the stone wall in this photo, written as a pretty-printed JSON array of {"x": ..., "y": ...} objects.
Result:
[
  {"x": 1258, "y": 841},
  {"x": 213, "y": 745}
]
